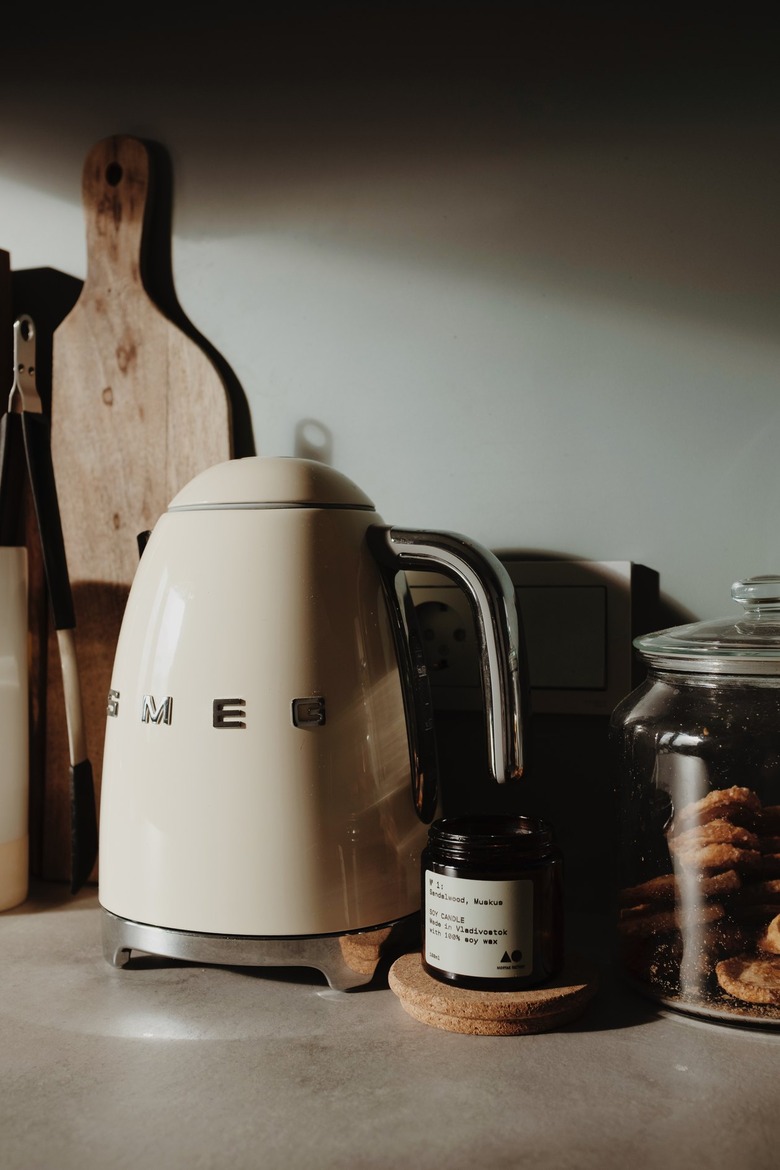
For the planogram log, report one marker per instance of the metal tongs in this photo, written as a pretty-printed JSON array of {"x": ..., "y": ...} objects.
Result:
[{"x": 26, "y": 421}]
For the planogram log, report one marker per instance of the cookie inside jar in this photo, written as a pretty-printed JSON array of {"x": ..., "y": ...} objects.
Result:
[
  {"x": 707, "y": 931},
  {"x": 697, "y": 765}
]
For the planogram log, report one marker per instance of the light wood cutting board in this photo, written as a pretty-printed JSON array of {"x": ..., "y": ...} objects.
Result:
[{"x": 138, "y": 409}]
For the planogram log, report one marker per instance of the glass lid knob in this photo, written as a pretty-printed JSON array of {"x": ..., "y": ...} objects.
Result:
[{"x": 758, "y": 593}]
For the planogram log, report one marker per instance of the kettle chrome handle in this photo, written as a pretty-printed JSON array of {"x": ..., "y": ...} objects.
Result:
[{"x": 498, "y": 625}]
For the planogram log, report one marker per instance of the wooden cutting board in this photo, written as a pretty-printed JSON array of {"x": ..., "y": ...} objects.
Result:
[{"x": 138, "y": 408}]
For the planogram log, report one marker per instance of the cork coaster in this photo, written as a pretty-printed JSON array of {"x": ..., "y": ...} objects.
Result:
[{"x": 493, "y": 1013}]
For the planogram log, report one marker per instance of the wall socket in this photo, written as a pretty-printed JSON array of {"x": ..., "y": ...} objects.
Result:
[
  {"x": 579, "y": 620},
  {"x": 449, "y": 637}
]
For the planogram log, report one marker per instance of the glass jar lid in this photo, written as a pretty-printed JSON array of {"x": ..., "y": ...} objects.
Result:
[{"x": 746, "y": 645}]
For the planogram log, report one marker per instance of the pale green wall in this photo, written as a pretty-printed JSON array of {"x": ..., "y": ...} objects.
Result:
[{"x": 526, "y": 289}]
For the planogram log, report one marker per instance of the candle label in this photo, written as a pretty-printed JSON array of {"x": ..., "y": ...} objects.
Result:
[{"x": 479, "y": 928}]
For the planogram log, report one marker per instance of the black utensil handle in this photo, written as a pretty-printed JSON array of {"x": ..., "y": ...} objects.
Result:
[
  {"x": 13, "y": 474},
  {"x": 35, "y": 430},
  {"x": 83, "y": 824}
]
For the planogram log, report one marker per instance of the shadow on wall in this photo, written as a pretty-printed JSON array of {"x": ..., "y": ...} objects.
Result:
[
  {"x": 657, "y": 609},
  {"x": 157, "y": 277},
  {"x": 592, "y": 154}
]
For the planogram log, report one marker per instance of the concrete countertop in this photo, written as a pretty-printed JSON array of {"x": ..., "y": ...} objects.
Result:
[{"x": 183, "y": 1066}]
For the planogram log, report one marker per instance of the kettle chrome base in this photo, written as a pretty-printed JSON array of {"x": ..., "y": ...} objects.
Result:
[{"x": 346, "y": 960}]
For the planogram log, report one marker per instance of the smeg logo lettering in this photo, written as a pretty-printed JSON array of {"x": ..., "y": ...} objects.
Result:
[{"x": 226, "y": 714}]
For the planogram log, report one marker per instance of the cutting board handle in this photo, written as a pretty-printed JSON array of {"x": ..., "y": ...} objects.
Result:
[{"x": 115, "y": 192}]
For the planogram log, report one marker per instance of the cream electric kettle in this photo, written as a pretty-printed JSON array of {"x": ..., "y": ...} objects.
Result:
[{"x": 269, "y": 768}]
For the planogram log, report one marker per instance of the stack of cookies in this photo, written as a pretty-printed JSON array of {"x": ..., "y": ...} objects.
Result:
[{"x": 708, "y": 931}]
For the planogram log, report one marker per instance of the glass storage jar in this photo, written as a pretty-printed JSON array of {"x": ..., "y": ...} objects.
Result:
[{"x": 696, "y": 748}]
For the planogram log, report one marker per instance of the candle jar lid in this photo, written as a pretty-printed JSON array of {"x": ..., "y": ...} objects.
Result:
[{"x": 492, "y": 836}]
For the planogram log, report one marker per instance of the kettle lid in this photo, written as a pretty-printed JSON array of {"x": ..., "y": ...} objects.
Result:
[{"x": 278, "y": 480}]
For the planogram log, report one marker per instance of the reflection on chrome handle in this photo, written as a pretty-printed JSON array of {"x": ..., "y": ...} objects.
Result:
[{"x": 489, "y": 586}]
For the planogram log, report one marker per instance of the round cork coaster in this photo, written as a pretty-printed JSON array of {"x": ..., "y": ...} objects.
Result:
[{"x": 493, "y": 1013}]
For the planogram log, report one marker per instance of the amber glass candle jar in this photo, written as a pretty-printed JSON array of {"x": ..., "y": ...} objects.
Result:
[{"x": 492, "y": 902}]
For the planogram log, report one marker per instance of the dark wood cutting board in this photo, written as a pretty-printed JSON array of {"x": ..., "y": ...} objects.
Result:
[{"x": 138, "y": 408}]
